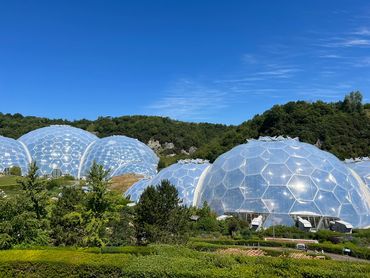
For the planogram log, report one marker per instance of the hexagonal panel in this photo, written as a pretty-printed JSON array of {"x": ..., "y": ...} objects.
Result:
[
  {"x": 305, "y": 208},
  {"x": 302, "y": 187},
  {"x": 278, "y": 199},
  {"x": 254, "y": 206},
  {"x": 324, "y": 180},
  {"x": 253, "y": 186},
  {"x": 299, "y": 166},
  {"x": 348, "y": 214},
  {"x": 276, "y": 174},
  {"x": 250, "y": 152},
  {"x": 297, "y": 151},
  {"x": 253, "y": 166},
  {"x": 233, "y": 163},
  {"x": 232, "y": 200},
  {"x": 233, "y": 179},
  {"x": 328, "y": 204},
  {"x": 275, "y": 156},
  {"x": 342, "y": 195}
]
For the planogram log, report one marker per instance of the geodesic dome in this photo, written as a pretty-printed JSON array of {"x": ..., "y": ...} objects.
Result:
[
  {"x": 184, "y": 175},
  {"x": 57, "y": 148},
  {"x": 362, "y": 167},
  {"x": 13, "y": 154},
  {"x": 281, "y": 178},
  {"x": 135, "y": 190},
  {"x": 121, "y": 155}
]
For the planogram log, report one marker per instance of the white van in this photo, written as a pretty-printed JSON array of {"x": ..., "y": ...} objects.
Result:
[{"x": 300, "y": 246}]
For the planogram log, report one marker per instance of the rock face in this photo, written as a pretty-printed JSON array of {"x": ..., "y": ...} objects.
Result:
[
  {"x": 192, "y": 150},
  {"x": 154, "y": 145},
  {"x": 168, "y": 146}
]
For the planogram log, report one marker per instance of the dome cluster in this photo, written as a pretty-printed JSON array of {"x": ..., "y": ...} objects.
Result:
[
  {"x": 276, "y": 178},
  {"x": 65, "y": 150}
]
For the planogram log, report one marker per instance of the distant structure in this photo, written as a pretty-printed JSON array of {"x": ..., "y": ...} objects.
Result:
[{"x": 64, "y": 150}]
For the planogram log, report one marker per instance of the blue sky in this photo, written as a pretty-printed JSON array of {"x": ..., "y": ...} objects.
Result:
[{"x": 214, "y": 61}]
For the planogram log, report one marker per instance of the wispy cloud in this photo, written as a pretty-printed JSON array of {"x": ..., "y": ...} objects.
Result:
[
  {"x": 346, "y": 42},
  {"x": 324, "y": 66},
  {"x": 363, "y": 31},
  {"x": 191, "y": 101},
  {"x": 331, "y": 56}
]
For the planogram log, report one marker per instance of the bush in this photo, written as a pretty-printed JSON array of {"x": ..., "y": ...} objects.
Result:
[
  {"x": 5, "y": 241},
  {"x": 15, "y": 171}
]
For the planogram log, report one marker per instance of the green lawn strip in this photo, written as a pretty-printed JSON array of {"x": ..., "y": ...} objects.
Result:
[{"x": 8, "y": 180}]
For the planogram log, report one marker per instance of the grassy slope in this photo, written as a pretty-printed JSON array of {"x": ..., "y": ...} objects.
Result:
[
  {"x": 9, "y": 184},
  {"x": 165, "y": 261}
]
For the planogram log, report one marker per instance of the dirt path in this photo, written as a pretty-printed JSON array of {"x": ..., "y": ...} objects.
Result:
[{"x": 346, "y": 258}]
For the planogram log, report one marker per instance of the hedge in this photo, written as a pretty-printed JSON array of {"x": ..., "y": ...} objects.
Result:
[
  {"x": 165, "y": 261},
  {"x": 358, "y": 252}
]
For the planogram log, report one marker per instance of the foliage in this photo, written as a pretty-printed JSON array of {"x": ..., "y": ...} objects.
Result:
[
  {"x": 207, "y": 222},
  {"x": 159, "y": 217},
  {"x": 96, "y": 218},
  {"x": 35, "y": 189},
  {"x": 15, "y": 171},
  {"x": 67, "y": 217},
  {"x": 19, "y": 223},
  {"x": 342, "y": 128}
]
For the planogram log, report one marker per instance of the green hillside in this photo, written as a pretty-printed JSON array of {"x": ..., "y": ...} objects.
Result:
[{"x": 342, "y": 128}]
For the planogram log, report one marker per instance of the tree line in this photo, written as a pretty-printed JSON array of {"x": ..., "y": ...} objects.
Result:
[{"x": 342, "y": 128}]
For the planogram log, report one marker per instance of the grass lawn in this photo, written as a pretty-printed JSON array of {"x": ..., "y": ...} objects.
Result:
[
  {"x": 164, "y": 261},
  {"x": 9, "y": 184}
]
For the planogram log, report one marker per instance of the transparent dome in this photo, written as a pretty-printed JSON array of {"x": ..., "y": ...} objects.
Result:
[
  {"x": 13, "y": 154},
  {"x": 184, "y": 175},
  {"x": 57, "y": 147},
  {"x": 121, "y": 155},
  {"x": 361, "y": 167},
  {"x": 135, "y": 190},
  {"x": 281, "y": 178}
]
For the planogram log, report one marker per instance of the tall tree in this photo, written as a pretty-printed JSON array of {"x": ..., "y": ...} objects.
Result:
[
  {"x": 159, "y": 215},
  {"x": 353, "y": 102},
  {"x": 35, "y": 189},
  {"x": 97, "y": 198}
]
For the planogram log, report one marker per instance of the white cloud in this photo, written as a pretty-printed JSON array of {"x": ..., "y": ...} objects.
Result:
[
  {"x": 188, "y": 100},
  {"x": 363, "y": 31},
  {"x": 346, "y": 42}
]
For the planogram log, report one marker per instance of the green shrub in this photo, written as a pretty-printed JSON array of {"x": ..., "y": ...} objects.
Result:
[{"x": 5, "y": 241}]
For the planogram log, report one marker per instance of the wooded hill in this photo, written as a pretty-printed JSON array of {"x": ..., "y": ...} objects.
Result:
[{"x": 343, "y": 128}]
